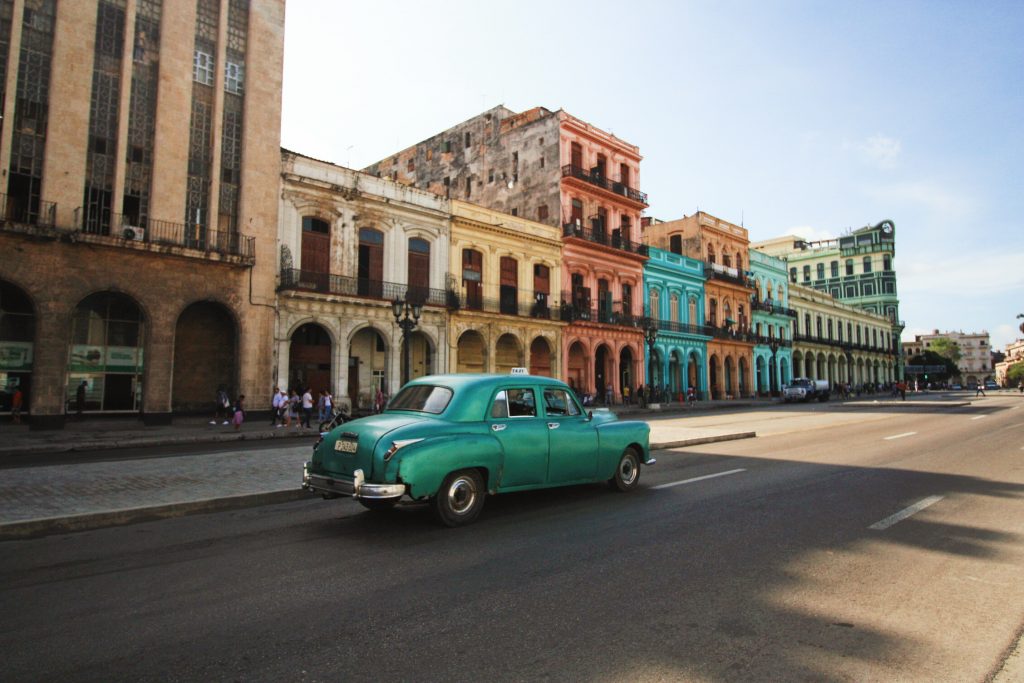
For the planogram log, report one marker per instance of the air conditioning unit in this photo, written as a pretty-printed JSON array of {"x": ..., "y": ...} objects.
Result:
[{"x": 132, "y": 232}]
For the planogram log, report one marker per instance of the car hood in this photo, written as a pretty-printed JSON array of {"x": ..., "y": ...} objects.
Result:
[{"x": 365, "y": 432}]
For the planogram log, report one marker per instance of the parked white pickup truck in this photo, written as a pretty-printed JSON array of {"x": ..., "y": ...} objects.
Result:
[{"x": 803, "y": 389}]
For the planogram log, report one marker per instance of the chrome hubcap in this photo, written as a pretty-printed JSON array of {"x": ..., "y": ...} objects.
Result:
[
  {"x": 627, "y": 471},
  {"x": 461, "y": 495}
]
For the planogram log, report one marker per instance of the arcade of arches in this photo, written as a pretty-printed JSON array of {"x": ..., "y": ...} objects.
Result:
[
  {"x": 857, "y": 370},
  {"x": 473, "y": 355}
]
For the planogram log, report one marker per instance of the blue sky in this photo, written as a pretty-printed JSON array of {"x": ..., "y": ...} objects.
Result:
[{"x": 792, "y": 117}]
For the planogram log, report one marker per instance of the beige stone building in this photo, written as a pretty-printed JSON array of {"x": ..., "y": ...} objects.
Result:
[
  {"x": 139, "y": 158},
  {"x": 508, "y": 279},
  {"x": 975, "y": 352},
  {"x": 1014, "y": 355},
  {"x": 840, "y": 342},
  {"x": 352, "y": 243}
]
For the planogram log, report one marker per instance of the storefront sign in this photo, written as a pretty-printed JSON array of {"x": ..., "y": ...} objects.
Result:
[{"x": 16, "y": 356}]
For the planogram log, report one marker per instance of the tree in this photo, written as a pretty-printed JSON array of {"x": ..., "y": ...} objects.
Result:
[
  {"x": 1015, "y": 374},
  {"x": 947, "y": 348},
  {"x": 931, "y": 358}
]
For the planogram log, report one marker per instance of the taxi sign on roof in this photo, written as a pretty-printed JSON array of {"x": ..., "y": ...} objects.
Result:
[{"x": 519, "y": 371}]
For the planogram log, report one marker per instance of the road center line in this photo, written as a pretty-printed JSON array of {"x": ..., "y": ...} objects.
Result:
[
  {"x": 906, "y": 512},
  {"x": 899, "y": 436},
  {"x": 690, "y": 481},
  {"x": 979, "y": 417}
]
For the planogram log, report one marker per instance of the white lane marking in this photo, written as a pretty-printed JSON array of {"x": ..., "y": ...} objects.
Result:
[
  {"x": 899, "y": 436},
  {"x": 906, "y": 512},
  {"x": 690, "y": 481},
  {"x": 979, "y": 417}
]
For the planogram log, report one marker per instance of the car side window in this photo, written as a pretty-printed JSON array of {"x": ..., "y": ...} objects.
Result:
[
  {"x": 557, "y": 403},
  {"x": 521, "y": 403},
  {"x": 500, "y": 406}
]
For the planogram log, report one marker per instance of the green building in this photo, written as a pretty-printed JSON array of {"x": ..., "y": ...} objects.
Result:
[{"x": 856, "y": 268}]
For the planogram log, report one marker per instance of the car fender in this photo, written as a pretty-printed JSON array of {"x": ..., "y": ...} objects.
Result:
[
  {"x": 423, "y": 466},
  {"x": 615, "y": 437}
]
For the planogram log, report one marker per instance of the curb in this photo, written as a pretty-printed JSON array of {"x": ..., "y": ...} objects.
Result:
[
  {"x": 145, "y": 441},
  {"x": 45, "y": 526},
  {"x": 904, "y": 404},
  {"x": 701, "y": 440}
]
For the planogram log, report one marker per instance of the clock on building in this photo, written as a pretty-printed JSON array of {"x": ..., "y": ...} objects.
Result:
[{"x": 887, "y": 227}]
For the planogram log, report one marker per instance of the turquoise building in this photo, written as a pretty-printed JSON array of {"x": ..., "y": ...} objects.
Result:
[
  {"x": 674, "y": 306},
  {"x": 773, "y": 323}
]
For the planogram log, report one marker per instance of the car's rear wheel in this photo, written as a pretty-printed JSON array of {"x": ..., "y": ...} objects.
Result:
[
  {"x": 627, "y": 474},
  {"x": 460, "y": 499},
  {"x": 378, "y": 505}
]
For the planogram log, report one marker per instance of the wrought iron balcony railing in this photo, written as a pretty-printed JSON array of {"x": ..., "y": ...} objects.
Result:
[
  {"x": 17, "y": 211},
  {"x": 769, "y": 306},
  {"x": 326, "y": 283},
  {"x": 605, "y": 183},
  {"x": 685, "y": 328},
  {"x": 546, "y": 309},
  {"x": 843, "y": 345},
  {"x": 737, "y": 277},
  {"x": 599, "y": 236}
]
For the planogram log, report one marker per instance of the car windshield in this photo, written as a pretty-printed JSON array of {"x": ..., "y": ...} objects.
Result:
[{"x": 423, "y": 398}]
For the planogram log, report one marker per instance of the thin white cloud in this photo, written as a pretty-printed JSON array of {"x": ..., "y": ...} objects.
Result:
[
  {"x": 926, "y": 195},
  {"x": 1002, "y": 335},
  {"x": 984, "y": 273},
  {"x": 877, "y": 150}
]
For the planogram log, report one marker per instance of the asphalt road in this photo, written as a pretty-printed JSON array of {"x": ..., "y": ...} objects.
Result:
[{"x": 793, "y": 556}]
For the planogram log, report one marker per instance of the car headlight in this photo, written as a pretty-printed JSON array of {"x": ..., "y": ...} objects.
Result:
[{"x": 396, "y": 445}]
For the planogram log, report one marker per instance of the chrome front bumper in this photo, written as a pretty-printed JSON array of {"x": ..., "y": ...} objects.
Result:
[{"x": 355, "y": 487}]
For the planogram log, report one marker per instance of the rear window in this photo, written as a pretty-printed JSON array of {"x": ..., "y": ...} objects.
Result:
[{"x": 422, "y": 398}]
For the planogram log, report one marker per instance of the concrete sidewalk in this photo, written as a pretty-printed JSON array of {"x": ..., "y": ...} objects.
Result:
[{"x": 51, "y": 499}]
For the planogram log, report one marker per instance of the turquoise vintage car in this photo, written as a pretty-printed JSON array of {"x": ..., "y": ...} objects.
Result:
[{"x": 452, "y": 439}]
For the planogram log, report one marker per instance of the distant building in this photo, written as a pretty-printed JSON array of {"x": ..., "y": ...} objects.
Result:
[
  {"x": 773, "y": 323},
  {"x": 554, "y": 168},
  {"x": 857, "y": 269},
  {"x": 1014, "y": 355},
  {"x": 140, "y": 156},
  {"x": 975, "y": 352}
]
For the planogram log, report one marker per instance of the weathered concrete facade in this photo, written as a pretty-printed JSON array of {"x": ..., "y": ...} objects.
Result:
[
  {"x": 351, "y": 243},
  {"x": 150, "y": 308},
  {"x": 508, "y": 277}
]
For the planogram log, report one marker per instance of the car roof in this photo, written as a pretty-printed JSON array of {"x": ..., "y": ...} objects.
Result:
[{"x": 473, "y": 391}]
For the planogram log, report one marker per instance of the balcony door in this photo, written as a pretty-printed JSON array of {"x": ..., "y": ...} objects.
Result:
[
  {"x": 371, "y": 262},
  {"x": 472, "y": 278},
  {"x": 419, "y": 269},
  {"x": 509, "y": 292},
  {"x": 316, "y": 251}
]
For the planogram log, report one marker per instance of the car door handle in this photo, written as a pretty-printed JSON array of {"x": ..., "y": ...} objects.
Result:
[
  {"x": 498, "y": 428},
  {"x": 554, "y": 425}
]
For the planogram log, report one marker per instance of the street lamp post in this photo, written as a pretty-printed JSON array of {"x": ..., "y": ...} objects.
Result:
[
  {"x": 650, "y": 336},
  {"x": 407, "y": 317}
]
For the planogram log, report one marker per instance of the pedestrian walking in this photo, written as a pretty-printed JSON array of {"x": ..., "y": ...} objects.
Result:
[
  {"x": 980, "y": 389},
  {"x": 1020, "y": 387},
  {"x": 609, "y": 394},
  {"x": 307, "y": 407},
  {"x": 293, "y": 408},
  {"x": 378, "y": 401},
  {"x": 16, "y": 402},
  {"x": 80, "y": 398},
  {"x": 641, "y": 396},
  {"x": 901, "y": 387},
  {"x": 626, "y": 398},
  {"x": 221, "y": 406},
  {"x": 239, "y": 412},
  {"x": 328, "y": 406}
]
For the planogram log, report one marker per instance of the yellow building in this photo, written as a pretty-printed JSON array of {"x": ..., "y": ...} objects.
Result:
[
  {"x": 506, "y": 272},
  {"x": 839, "y": 342}
]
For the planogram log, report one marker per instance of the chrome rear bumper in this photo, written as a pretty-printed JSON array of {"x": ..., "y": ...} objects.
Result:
[{"x": 355, "y": 487}]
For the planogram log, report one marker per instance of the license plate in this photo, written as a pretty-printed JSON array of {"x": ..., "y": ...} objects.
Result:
[{"x": 346, "y": 446}]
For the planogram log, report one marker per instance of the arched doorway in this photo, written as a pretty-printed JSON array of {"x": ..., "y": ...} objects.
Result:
[
  {"x": 508, "y": 354},
  {"x": 420, "y": 356},
  {"x": 761, "y": 374},
  {"x": 540, "y": 357},
  {"x": 655, "y": 371},
  {"x": 601, "y": 375},
  {"x": 693, "y": 372},
  {"x": 730, "y": 387},
  {"x": 577, "y": 367},
  {"x": 744, "y": 379},
  {"x": 674, "y": 373},
  {"x": 204, "y": 356},
  {"x": 626, "y": 371},
  {"x": 367, "y": 367},
  {"x": 472, "y": 353},
  {"x": 309, "y": 359},
  {"x": 783, "y": 372},
  {"x": 714, "y": 377},
  {"x": 106, "y": 353},
  {"x": 17, "y": 336}
]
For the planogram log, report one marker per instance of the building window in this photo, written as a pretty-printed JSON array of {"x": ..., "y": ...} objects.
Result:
[
  {"x": 234, "y": 78},
  {"x": 834, "y": 268},
  {"x": 867, "y": 264},
  {"x": 490, "y": 176},
  {"x": 655, "y": 305},
  {"x": 542, "y": 212},
  {"x": 410, "y": 165},
  {"x": 821, "y": 271},
  {"x": 447, "y": 147},
  {"x": 869, "y": 289},
  {"x": 792, "y": 274},
  {"x": 849, "y": 266},
  {"x": 851, "y": 291},
  {"x": 469, "y": 139},
  {"x": 886, "y": 262},
  {"x": 469, "y": 186},
  {"x": 202, "y": 67},
  {"x": 673, "y": 310},
  {"x": 675, "y": 244},
  {"x": 807, "y": 273}
]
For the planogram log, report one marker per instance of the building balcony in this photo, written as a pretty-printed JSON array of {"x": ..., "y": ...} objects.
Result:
[
  {"x": 325, "y": 283},
  {"x": 714, "y": 271},
  {"x": 541, "y": 309},
  {"x": 733, "y": 332},
  {"x": 612, "y": 313},
  {"x": 598, "y": 235},
  {"x": 844, "y": 345},
  {"x": 770, "y": 307},
  {"x": 20, "y": 216},
  {"x": 592, "y": 177},
  {"x": 761, "y": 340},
  {"x": 684, "y": 328}
]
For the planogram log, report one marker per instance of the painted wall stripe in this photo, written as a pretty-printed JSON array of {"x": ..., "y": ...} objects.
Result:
[
  {"x": 906, "y": 512},
  {"x": 690, "y": 481},
  {"x": 899, "y": 436}
]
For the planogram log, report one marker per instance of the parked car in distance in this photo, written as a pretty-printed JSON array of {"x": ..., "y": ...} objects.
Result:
[
  {"x": 956, "y": 387},
  {"x": 804, "y": 389},
  {"x": 991, "y": 384},
  {"x": 451, "y": 440}
]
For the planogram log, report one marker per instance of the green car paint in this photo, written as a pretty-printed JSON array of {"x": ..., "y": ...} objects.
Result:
[{"x": 520, "y": 432}]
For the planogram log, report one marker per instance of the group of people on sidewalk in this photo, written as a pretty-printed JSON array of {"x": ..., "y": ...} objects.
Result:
[
  {"x": 228, "y": 411},
  {"x": 292, "y": 409}
]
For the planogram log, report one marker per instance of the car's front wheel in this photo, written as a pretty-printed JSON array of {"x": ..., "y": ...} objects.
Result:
[
  {"x": 627, "y": 474},
  {"x": 460, "y": 499}
]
